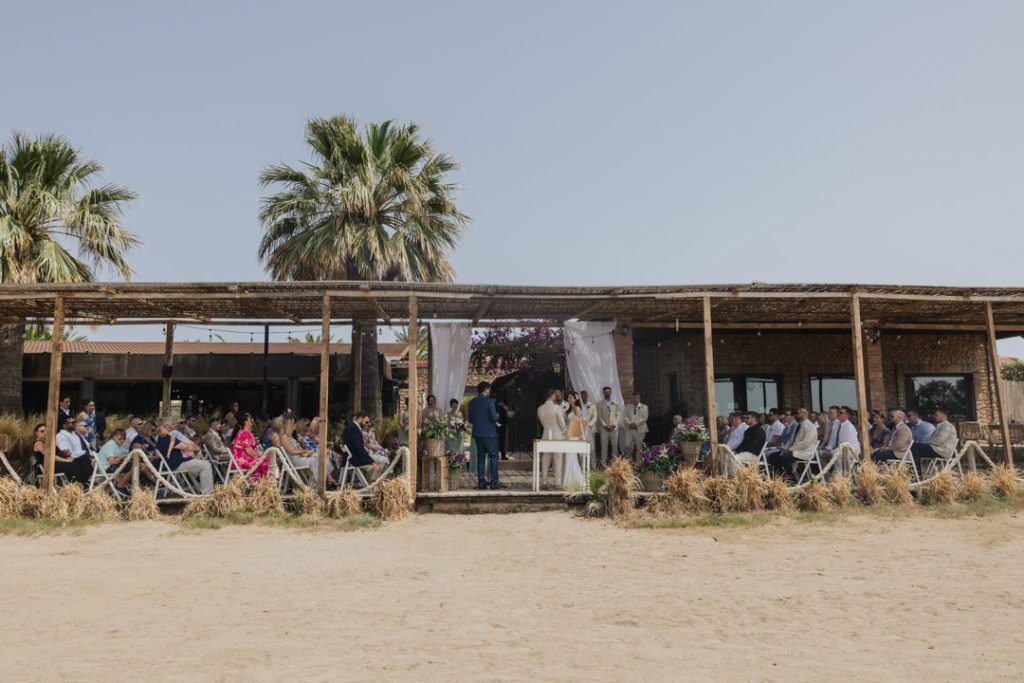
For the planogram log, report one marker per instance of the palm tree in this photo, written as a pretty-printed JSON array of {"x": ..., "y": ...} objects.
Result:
[
  {"x": 50, "y": 206},
  {"x": 45, "y": 333},
  {"x": 402, "y": 337},
  {"x": 373, "y": 204}
]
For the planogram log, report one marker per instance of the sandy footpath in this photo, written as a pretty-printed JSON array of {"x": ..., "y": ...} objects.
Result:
[{"x": 540, "y": 596}]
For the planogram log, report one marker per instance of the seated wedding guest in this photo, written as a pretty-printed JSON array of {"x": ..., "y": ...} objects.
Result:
[
  {"x": 941, "y": 443},
  {"x": 214, "y": 442},
  {"x": 801, "y": 445},
  {"x": 790, "y": 425},
  {"x": 845, "y": 432},
  {"x": 230, "y": 427},
  {"x": 899, "y": 441},
  {"x": 354, "y": 441},
  {"x": 134, "y": 423},
  {"x": 188, "y": 427},
  {"x": 752, "y": 442},
  {"x": 62, "y": 464},
  {"x": 879, "y": 433},
  {"x": 375, "y": 450},
  {"x": 311, "y": 434},
  {"x": 296, "y": 452},
  {"x": 113, "y": 451},
  {"x": 72, "y": 444},
  {"x": 243, "y": 448},
  {"x": 723, "y": 425},
  {"x": 921, "y": 429},
  {"x": 64, "y": 411},
  {"x": 180, "y": 458},
  {"x": 774, "y": 428},
  {"x": 831, "y": 430},
  {"x": 272, "y": 434},
  {"x": 737, "y": 427}
]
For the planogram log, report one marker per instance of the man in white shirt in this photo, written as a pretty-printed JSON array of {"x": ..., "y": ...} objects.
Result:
[
  {"x": 636, "y": 427},
  {"x": 847, "y": 432},
  {"x": 609, "y": 412},
  {"x": 552, "y": 420},
  {"x": 737, "y": 427},
  {"x": 802, "y": 446},
  {"x": 71, "y": 443},
  {"x": 774, "y": 429},
  {"x": 134, "y": 425}
]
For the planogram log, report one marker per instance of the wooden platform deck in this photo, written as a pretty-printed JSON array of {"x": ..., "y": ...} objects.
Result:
[{"x": 502, "y": 500}]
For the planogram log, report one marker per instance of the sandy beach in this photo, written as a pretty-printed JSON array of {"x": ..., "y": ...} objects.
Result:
[{"x": 541, "y": 596}]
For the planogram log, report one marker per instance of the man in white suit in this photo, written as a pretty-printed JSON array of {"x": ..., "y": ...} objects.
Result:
[
  {"x": 552, "y": 420},
  {"x": 636, "y": 427},
  {"x": 609, "y": 412},
  {"x": 590, "y": 415}
]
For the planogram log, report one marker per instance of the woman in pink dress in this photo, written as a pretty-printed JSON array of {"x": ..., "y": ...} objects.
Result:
[{"x": 244, "y": 448}]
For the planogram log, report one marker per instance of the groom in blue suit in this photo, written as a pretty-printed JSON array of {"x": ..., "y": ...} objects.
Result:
[{"x": 484, "y": 418}]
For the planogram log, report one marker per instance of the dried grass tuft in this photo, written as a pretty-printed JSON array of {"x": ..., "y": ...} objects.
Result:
[
  {"x": 868, "y": 483},
  {"x": 308, "y": 502},
  {"x": 663, "y": 505},
  {"x": 390, "y": 500},
  {"x": 814, "y": 497},
  {"x": 896, "y": 485},
  {"x": 685, "y": 488},
  {"x": 265, "y": 498},
  {"x": 941, "y": 489},
  {"x": 142, "y": 506},
  {"x": 74, "y": 499},
  {"x": 721, "y": 492},
  {"x": 100, "y": 506},
  {"x": 1005, "y": 483},
  {"x": 10, "y": 497},
  {"x": 973, "y": 487},
  {"x": 53, "y": 505},
  {"x": 840, "y": 491},
  {"x": 344, "y": 503},
  {"x": 620, "y": 499},
  {"x": 201, "y": 506},
  {"x": 31, "y": 500},
  {"x": 777, "y": 496},
  {"x": 750, "y": 490},
  {"x": 228, "y": 499}
]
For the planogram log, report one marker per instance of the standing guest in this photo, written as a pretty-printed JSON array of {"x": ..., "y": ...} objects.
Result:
[
  {"x": 503, "y": 410},
  {"x": 552, "y": 421},
  {"x": 900, "y": 440},
  {"x": 64, "y": 410},
  {"x": 72, "y": 444},
  {"x": 403, "y": 424},
  {"x": 774, "y": 429},
  {"x": 95, "y": 421},
  {"x": 609, "y": 412},
  {"x": 134, "y": 424},
  {"x": 233, "y": 407},
  {"x": 560, "y": 400},
  {"x": 942, "y": 441},
  {"x": 636, "y": 427},
  {"x": 179, "y": 456},
  {"x": 879, "y": 434},
  {"x": 457, "y": 444},
  {"x": 484, "y": 418},
  {"x": 213, "y": 440},
  {"x": 738, "y": 425},
  {"x": 431, "y": 410},
  {"x": 243, "y": 448},
  {"x": 921, "y": 429},
  {"x": 590, "y": 416},
  {"x": 752, "y": 442}
]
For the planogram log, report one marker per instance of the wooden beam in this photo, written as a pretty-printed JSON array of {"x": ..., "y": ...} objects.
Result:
[
  {"x": 357, "y": 367},
  {"x": 414, "y": 395},
  {"x": 325, "y": 386},
  {"x": 53, "y": 393},
  {"x": 1000, "y": 389},
  {"x": 279, "y": 312},
  {"x": 381, "y": 313},
  {"x": 481, "y": 310},
  {"x": 165, "y": 396},
  {"x": 709, "y": 381},
  {"x": 859, "y": 377}
]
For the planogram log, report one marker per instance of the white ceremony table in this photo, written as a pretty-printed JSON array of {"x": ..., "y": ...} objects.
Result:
[{"x": 570, "y": 447}]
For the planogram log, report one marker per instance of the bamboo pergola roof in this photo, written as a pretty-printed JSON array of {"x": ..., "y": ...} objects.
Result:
[{"x": 756, "y": 304}]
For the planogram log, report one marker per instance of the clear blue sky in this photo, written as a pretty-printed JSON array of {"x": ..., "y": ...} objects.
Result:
[{"x": 601, "y": 143}]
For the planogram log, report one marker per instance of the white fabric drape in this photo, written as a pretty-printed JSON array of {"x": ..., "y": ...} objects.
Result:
[
  {"x": 449, "y": 367},
  {"x": 590, "y": 355}
]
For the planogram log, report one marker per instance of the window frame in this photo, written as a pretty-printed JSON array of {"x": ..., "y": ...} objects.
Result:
[
  {"x": 971, "y": 398},
  {"x": 822, "y": 408},
  {"x": 741, "y": 380}
]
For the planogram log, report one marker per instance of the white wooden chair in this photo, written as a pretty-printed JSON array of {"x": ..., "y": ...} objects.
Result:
[
  {"x": 932, "y": 466},
  {"x": 805, "y": 460}
]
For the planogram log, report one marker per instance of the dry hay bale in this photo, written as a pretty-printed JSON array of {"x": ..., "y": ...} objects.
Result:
[
  {"x": 685, "y": 488},
  {"x": 973, "y": 487},
  {"x": 896, "y": 485},
  {"x": 664, "y": 505},
  {"x": 1005, "y": 483},
  {"x": 840, "y": 491},
  {"x": 721, "y": 492},
  {"x": 868, "y": 483},
  {"x": 750, "y": 490},
  {"x": 74, "y": 498},
  {"x": 265, "y": 498},
  {"x": 229, "y": 499},
  {"x": 31, "y": 500},
  {"x": 10, "y": 498},
  {"x": 308, "y": 502},
  {"x": 52, "y": 505},
  {"x": 620, "y": 498},
  {"x": 814, "y": 497},
  {"x": 201, "y": 506},
  {"x": 100, "y": 506},
  {"x": 390, "y": 500},
  {"x": 777, "y": 496},
  {"x": 344, "y": 503},
  {"x": 941, "y": 489},
  {"x": 141, "y": 506}
]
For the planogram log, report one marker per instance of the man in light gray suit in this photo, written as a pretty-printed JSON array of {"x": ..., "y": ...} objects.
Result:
[
  {"x": 609, "y": 412},
  {"x": 552, "y": 420},
  {"x": 636, "y": 427},
  {"x": 942, "y": 442}
]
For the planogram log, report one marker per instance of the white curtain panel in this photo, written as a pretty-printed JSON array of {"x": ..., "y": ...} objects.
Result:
[
  {"x": 590, "y": 355},
  {"x": 450, "y": 346}
]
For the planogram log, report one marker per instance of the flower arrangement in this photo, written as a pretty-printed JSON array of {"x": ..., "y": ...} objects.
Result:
[
  {"x": 456, "y": 425},
  {"x": 436, "y": 427},
  {"x": 457, "y": 460},
  {"x": 692, "y": 430},
  {"x": 661, "y": 459}
]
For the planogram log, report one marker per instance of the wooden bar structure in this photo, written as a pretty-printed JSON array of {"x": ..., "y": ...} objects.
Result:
[
  {"x": 414, "y": 394},
  {"x": 165, "y": 396},
  {"x": 1000, "y": 389},
  {"x": 53, "y": 393},
  {"x": 357, "y": 365},
  {"x": 709, "y": 380},
  {"x": 860, "y": 377},
  {"x": 325, "y": 388}
]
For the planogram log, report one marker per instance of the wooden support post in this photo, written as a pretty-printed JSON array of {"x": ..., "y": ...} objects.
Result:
[
  {"x": 325, "y": 386},
  {"x": 53, "y": 392},
  {"x": 1000, "y": 389},
  {"x": 709, "y": 380},
  {"x": 859, "y": 377},
  {"x": 430, "y": 363},
  {"x": 414, "y": 395},
  {"x": 357, "y": 367},
  {"x": 165, "y": 397}
]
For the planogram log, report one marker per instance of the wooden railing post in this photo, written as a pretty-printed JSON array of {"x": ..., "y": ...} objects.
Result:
[
  {"x": 859, "y": 377},
  {"x": 165, "y": 396},
  {"x": 993, "y": 351},
  {"x": 325, "y": 386},
  {"x": 53, "y": 392},
  {"x": 709, "y": 380},
  {"x": 414, "y": 394}
]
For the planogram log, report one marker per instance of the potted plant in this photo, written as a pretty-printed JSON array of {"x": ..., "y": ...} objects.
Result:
[
  {"x": 689, "y": 437},
  {"x": 434, "y": 432},
  {"x": 656, "y": 464}
]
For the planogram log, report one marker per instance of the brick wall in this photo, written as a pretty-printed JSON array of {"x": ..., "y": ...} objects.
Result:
[{"x": 624, "y": 349}]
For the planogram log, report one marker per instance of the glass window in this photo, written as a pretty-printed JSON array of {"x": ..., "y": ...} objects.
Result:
[
  {"x": 725, "y": 397},
  {"x": 952, "y": 393},
  {"x": 832, "y": 390},
  {"x": 747, "y": 392}
]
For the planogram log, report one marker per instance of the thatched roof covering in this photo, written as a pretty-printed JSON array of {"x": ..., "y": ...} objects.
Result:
[
  {"x": 293, "y": 302},
  {"x": 391, "y": 351}
]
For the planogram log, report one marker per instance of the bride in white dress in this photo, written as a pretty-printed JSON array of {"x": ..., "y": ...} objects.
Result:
[{"x": 572, "y": 474}]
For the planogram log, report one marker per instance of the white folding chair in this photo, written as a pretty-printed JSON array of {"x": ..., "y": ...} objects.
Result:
[
  {"x": 303, "y": 472},
  {"x": 100, "y": 478},
  {"x": 905, "y": 459},
  {"x": 350, "y": 474},
  {"x": 932, "y": 466},
  {"x": 182, "y": 480},
  {"x": 807, "y": 458},
  {"x": 220, "y": 467}
]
